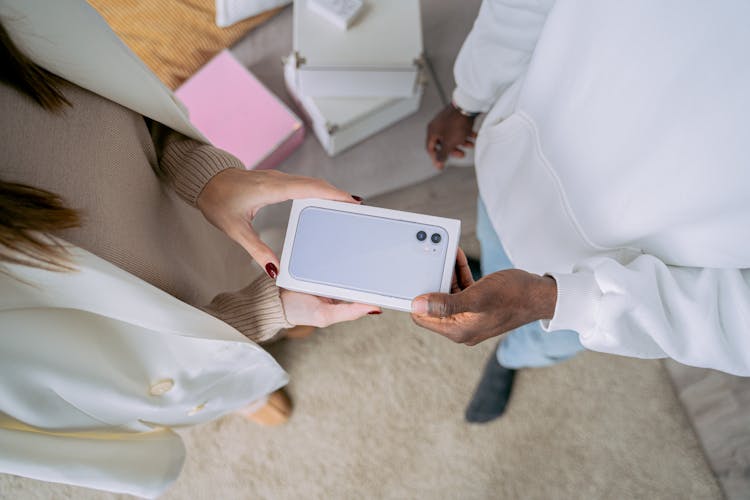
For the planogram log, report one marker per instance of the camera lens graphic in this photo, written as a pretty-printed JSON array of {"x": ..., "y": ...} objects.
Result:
[
  {"x": 435, "y": 238},
  {"x": 421, "y": 236}
]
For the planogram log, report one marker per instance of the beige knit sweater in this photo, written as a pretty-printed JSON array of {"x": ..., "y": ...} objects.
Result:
[{"x": 136, "y": 183}]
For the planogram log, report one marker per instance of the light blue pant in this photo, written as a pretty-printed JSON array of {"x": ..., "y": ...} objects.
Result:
[{"x": 527, "y": 346}]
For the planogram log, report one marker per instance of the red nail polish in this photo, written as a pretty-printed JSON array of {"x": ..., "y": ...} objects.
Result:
[
  {"x": 272, "y": 270},
  {"x": 358, "y": 198},
  {"x": 375, "y": 312}
]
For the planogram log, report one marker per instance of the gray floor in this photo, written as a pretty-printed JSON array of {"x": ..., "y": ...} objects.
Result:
[
  {"x": 717, "y": 404},
  {"x": 719, "y": 407},
  {"x": 380, "y": 169}
]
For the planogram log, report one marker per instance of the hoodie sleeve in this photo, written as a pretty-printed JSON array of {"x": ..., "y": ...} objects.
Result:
[
  {"x": 647, "y": 309},
  {"x": 497, "y": 50}
]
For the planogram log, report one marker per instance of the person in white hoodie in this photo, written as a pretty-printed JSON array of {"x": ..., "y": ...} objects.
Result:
[{"x": 613, "y": 165}]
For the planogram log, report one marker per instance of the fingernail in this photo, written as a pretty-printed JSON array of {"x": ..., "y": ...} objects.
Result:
[
  {"x": 419, "y": 306},
  {"x": 375, "y": 312},
  {"x": 358, "y": 198},
  {"x": 272, "y": 270}
]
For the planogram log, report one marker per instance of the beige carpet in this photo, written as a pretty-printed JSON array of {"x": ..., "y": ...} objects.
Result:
[{"x": 379, "y": 415}]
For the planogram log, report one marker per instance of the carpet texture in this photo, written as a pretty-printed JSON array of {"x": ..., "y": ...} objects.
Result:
[{"x": 379, "y": 407}]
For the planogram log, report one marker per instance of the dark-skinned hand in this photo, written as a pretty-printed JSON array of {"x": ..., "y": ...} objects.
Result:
[
  {"x": 447, "y": 134},
  {"x": 497, "y": 303}
]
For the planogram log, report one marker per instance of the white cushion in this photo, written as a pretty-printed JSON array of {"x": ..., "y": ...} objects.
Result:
[{"x": 229, "y": 12}]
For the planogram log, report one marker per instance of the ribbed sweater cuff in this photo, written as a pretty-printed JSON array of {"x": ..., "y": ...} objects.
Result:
[
  {"x": 190, "y": 165},
  {"x": 256, "y": 310},
  {"x": 577, "y": 308}
]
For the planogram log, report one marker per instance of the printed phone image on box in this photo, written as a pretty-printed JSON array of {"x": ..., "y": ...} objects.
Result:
[{"x": 367, "y": 254}]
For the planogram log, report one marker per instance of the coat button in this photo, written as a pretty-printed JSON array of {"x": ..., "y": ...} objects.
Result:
[
  {"x": 161, "y": 387},
  {"x": 196, "y": 409}
]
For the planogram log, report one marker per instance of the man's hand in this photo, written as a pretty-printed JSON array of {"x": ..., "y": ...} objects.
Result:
[
  {"x": 496, "y": 304},
  {"x": 447, "y": 133}
]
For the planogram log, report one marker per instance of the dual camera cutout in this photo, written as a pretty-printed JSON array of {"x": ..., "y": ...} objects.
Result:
[{"x": 435, "y": 238}]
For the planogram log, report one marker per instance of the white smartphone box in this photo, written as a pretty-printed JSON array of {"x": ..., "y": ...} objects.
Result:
[
  {"x": 341, "y": 122},
  {"x": 372, "y": 255},
  {"x": 340, "y": 13},
  {"x": 380, "y": 55}
]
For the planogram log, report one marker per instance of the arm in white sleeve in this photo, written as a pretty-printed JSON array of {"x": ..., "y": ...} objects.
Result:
[
  {"x": 497, "y": 50},
  {"x": 647, "y": 309}
]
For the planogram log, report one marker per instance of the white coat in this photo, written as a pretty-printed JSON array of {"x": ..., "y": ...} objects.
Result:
[{"x": 96, "y": 365}]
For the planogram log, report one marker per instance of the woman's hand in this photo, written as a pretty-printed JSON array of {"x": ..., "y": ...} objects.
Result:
[
  {"x": 232, "y": 198},
  {"x": 304, "y": 309}
]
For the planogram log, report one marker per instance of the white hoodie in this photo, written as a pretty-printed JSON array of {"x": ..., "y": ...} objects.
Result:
[{"x": 616, "y": 157}]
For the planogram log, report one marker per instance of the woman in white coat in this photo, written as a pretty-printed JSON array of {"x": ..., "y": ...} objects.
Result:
[{"x": 111, "y": 331}]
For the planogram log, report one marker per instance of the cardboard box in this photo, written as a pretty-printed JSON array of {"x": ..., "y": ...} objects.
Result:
[
  {"x": 341, "y": 122},
  {"x": 361, "y": 253},
  {"x": 380, "y": 55}
]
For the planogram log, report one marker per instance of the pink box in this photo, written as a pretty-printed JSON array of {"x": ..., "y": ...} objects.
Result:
[{"x": 239, "y": 114}]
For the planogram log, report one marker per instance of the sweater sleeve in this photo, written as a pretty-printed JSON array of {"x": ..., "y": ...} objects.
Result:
[
  {"x": 647, "y": 309},
  {"x": 255, "y": 311},
  {"x": 186, "y": 164},
  {"x": 497, "y": 50}
]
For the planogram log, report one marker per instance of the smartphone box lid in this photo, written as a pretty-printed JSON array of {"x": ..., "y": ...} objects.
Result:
[
  {"x": 380, "y": 55},
  {"x": 354, "y": 292},
  {"x": 341, "y": 122}
]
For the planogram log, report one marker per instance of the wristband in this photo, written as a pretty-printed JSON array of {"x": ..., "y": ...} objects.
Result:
[{"x": 467, "y": 114}]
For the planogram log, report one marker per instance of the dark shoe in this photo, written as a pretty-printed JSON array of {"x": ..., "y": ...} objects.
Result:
[
  {"x": 492, "y": 394},
  {"x": 475, "y": 267}
]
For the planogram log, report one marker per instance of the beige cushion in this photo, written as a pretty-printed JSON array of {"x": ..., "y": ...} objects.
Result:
[{"x": 173, "y": 37}]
